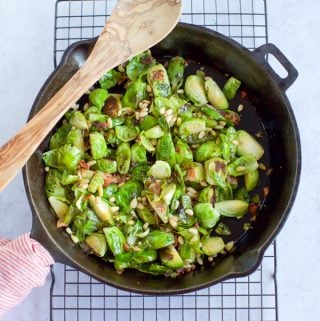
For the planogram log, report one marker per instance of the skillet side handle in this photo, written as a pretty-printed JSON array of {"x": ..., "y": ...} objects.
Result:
[{"x": 261, "y": 53}]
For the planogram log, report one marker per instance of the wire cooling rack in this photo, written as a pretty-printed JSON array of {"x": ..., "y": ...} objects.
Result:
[{"x": 77, "y": 297}]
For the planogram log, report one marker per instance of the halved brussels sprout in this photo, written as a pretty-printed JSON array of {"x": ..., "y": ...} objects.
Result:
[
  {"x": 165, "y": 150},
  {"x": 187, "y": 252},
  {"x": 138, "y": 153},
  {"x": 247, "y": 145},
  {"x": 154, "y": 132},
  {"x": 207, "y": 195},
  {"x": 242, "y": 165},
  {"x": 168, "y": 193},
  {"x": 230, "y": 88},
  {"x": 251, "y": 180},
  {"x": 195, "y": 89},
  {"x": 126, "y": 193},
  {"x": 112, "y": 106},
  {"x": 110, "y": 79},
  {"x": 192, "y": 126},
  {"x": 106, "y": 165},
  {"x": 175, "y": 72},
  {"x": 158, "y": 239},
  {"x": 102, "y": 209},
  {"x": 78, "y": 120},
  {"x": 60, "y": 208},
  {"x": 215, "y": 95},
  {"x": 135, "y": 92},
  {"x": 96, "y": 181},
  {"x": 75, "y": 138},
  {"x": 206, "y": 215},
  {"x": 126, "y": 133},
  {"x": 183, "y": 152},
  {"x": 159, "y": 81},
  {"x": 98, "y": 96},
  {"x": 59, "y": 138},
  {"x": 140, "y": 64},
  {"x": 160, "y": 170},
  {"x": 194, "y": 172},
  {"x": 123, "y": 157},
  {"x": 98, "y": 145},
  {"x": 148, "y": 122},
  {"x": 232, "y": 208},
  {"x": 170, "y": 257},
  {"x": 212, "y": 246},
  {"x": 216, "y": 171},
  {"x": 160, "y": 207},
  {"x": 115, "y": 239},
  {"x": 146, "y": 215},
  {"x": 97, "y": 242},
  {"x": 145, "y": 256},
  {"x": 207, "y": 150}
]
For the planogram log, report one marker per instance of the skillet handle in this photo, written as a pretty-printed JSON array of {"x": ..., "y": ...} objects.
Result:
[{"x": 261, "y": 54}]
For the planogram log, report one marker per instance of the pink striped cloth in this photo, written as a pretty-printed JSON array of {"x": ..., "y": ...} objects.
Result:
[{"x": 24, "y": 264}]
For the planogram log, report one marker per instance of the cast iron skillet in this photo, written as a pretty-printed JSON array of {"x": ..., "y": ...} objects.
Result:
[{"x": 267, "y": 94}]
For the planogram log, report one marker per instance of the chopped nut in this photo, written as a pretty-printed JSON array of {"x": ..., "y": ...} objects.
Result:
[
  {"x": 162, "y": 110},
  {"x": 179, "y": 121},
  {"x": 47, "y": 169},
  {"x": 189, "y": 211},
  {"x": 68, "y": 230},
  {"x": 109, "y": 122},
  {"x": 112, "y": 199},
  {"x": 173, "y": 221},
  {"x": 240, "y": 108},
  {"x": 229, "y": 246},
  {"x": 134, "y": 203},
  {"x": 262, "y": 166},
  {"x": 74, "y": 238},
  {"x": 61, "y": 223},
  {"x": 114, "y": 209},
  {"x": 180, "y": 91},
  {"x": 145, "y": 226},
  {"x": 201, "y": 135},
  {"x": 240, "y": 168},
  {"x": 180, "y": 240},
  {"x": 194, "y": 239}
]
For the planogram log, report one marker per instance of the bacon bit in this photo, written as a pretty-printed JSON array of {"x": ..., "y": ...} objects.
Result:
[
  {"x": 196, "y": 225},
  {"x": 126, "y": 247},
  {"x": 155, "y": 188},
  {"x": 253, "y": 208},
  {"x": 83, "y": 164},
  {"x": 265, "y": 191},
  {"x": 243, "y": 94},
  {"x": 109, "y": 179}
]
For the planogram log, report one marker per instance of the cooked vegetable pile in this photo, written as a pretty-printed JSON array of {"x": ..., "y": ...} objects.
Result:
[{"x": 141, "y": 174}]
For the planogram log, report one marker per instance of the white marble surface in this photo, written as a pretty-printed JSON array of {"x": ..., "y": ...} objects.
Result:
[{"x": 26, "y": 45}]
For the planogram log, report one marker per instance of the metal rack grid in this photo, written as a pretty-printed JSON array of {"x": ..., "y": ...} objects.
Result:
[{"x": 77, "y": 297}]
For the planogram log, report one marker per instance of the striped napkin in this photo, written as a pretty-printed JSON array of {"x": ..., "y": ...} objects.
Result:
[{"x": 24, "y": 264}]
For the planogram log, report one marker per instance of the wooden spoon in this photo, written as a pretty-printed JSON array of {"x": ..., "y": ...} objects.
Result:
[{"x": 134, "y": 26}]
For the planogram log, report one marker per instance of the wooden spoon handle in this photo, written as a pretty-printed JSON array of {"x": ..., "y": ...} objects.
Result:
[{"x": 15, "y": 153}]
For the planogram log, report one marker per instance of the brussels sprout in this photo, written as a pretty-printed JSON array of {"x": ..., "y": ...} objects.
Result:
[
  {"x": 187, "y": 253},
  {"x": 126, "y": 133},
  {"x": 159, "y": 81},
  {"x": 106, "y": 165},
  {"x": 158, "y": 239},
  {"x": 78, "y": 120},
  {"x": 84, "y": 223},
  {"x": 247, "y": 145},
  {"x": 216, "y": 96},
  {"x": 54, "y": 187},
  {"x": 96, "y": 181},
  {"x": 165, "y": 150},
  {"x": 68, "y": 179},
  {"x": 251, "y": 180},
  {"x": 126, "y": 193},
  {"x": 183, "y": 152},
  {"x": 216, "y": 171},
  {"x": 98, "y": 145},
  {"x": 75, "y": 138},
  {"x": 192, "y": 126},
  {"x": 139, "y": 65},
  {"x": 71, "y": 214},
  {"x": 59, "y": 138},
  {"x": 223, "y": 193},
  {"x": 242, "y": 165},
  {"x": 115, "y": 239},
  {"x": 168, "y": 193},
  {"x": 65, "y": 157},
  {"x": 97, "y": 242},
  {"x": 213, "y": 112},
  {"x": 98, "y": 96},
  {"x": 207, "y": 150},
  {"x": 206, "y": 215},
  {"x": 60, "y": 208},
  {"x": 148, "y": 122},
  {"x": 154, "y": 132},
  {"x": 194, "y": 172},
  {"x": 207, "y": 195},
  {"x": 230, "y": 88},
  {"x": 102, "y": 209},
  {"x": 232, "y": 208},
  {"x": 171, "y": 258},
  {"x": 146, "y": 215},
  {"x": 138, "y": 154},
  {"x": 123, "y": 261},
  {"x": 175, "y": 72},
  {"x": 140, "y": 171},
  {"x": 145, "y": 256},
  {"x": 110, "y": 79},
  {"x": 195, "y": 90},
  {"x": 160, "y": 170},
  {"x": 135, "y": 92},
  {"x": 123, "y": 156},
  {"x": 242, "y": 194},
  {"x": 112, "y": 106},
  {"x": 154, "y": 269},
  {"x": 212, "y": 246},
  {"x": 110, "y": 190},
  {"x": 146, "y": 143},
  {"x": 160, "y": 207}
]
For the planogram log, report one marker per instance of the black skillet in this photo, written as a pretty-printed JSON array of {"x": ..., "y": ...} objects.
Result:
[{"x": 267, "y": 110}]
